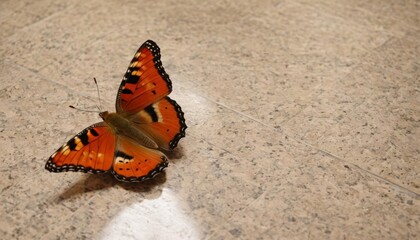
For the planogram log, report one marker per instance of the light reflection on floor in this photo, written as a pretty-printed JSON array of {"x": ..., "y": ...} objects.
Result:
[
  {"x": 160, "y": 218},
  {"x": 303, "y": 119}
]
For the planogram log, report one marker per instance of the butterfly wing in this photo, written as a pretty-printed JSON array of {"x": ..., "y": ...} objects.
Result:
[
  {"x": 92, "y": 150},
  {"x": 145, "y": 81},
  {"x": 163, "y": 121},
  {"x": 142, "y": 98},
  {"x": 135, "y": 163}
]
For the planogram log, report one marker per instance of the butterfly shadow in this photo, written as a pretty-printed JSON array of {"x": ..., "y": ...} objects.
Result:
[
  {"x": 102, "y": 182},
  {"x": 176, "y": 154}
]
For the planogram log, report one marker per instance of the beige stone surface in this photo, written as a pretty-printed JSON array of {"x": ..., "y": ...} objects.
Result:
[{"x": 304, "y": 119}]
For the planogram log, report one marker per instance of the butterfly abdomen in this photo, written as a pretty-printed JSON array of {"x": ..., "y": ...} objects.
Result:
[{"x": 121, "y": 125}]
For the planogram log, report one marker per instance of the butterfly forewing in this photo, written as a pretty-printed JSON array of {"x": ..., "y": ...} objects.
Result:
[
  {"x": 92, "y": 150},
  {"x": 145, "y": 81}
]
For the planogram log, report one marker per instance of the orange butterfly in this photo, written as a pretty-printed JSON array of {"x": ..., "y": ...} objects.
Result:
[{"x": 128, "y": 142}]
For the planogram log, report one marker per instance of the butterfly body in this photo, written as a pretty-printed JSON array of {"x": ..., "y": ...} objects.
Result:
[
  {"x": 129, "y": 142},
  {"x": 122, "y": 126}
]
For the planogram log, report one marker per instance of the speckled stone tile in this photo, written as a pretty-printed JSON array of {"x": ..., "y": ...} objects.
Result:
[
  {"x": 371, "y": 116},
  {"x": 87, "y": 221},
  {"x": 15, "y": 15},
  {"x": 58, "y": 38},
  {"x": 330, "y": 202},
  {"x": 31, "y": 123},
  {"x": 213, "y": 184},
  {"x": 394, "y": 17},
  {"x": 292, "y": 68},
  {"x": 32, "y": 214},
  {"x": 208, "y": 184},
  {"x": 302, "y": 119},
  {"x": 312, "y": 195}
]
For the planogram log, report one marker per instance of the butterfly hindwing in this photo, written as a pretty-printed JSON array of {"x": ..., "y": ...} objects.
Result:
[
  {"x": 135, "y": 163},
  {"x": 163, "y": 121},
  {"x": 91, "y": 150},
  {"x": 145, "y": 81}
]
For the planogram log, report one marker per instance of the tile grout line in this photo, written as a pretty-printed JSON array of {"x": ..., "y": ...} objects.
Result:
[
  {"x": 399, "y": 187},
  {"x": 43, "y": 78},
  {"x": 41, "y": 20}
]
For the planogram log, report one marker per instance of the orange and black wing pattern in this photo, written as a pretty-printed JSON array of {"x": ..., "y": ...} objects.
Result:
[
  {"x": 145, "y": 81},
  {"x": 92, "y": 150},
  {"x": 163, "y": 121},
  {"x": 135, "y": 163},
  {"x": 142, "y": 100}
]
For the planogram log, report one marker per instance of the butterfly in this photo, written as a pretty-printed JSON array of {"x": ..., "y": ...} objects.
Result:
[{"x": 129, "y": 142}]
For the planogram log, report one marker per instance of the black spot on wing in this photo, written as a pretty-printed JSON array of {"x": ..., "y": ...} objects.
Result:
[
  {"x": 72, "y": 144},
  {"x": 151, "y": 111},
  {"x": 126, "y": 91},
  {"x": 123, "y": 155},
  {"x": 132, "y": 79},
  {"x": 84, "y": 137},
  {"x": 94, "y": 132}
]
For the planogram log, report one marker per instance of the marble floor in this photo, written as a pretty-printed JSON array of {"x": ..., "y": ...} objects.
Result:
[{"x": 303, "y": 118}]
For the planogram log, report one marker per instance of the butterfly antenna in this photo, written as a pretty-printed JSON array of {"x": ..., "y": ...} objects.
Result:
[
  {"x": 84, "y": 110},
  {"x": 99, "y": 96}
]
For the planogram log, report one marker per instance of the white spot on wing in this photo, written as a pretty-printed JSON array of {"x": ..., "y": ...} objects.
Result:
[{"x": 157, "y": 111}]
